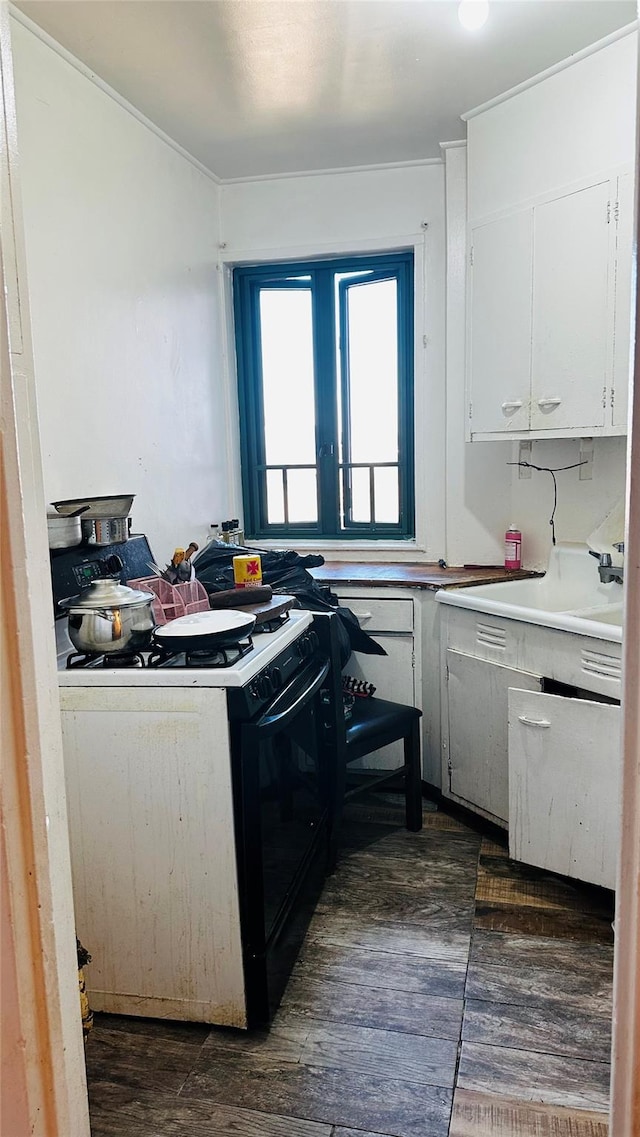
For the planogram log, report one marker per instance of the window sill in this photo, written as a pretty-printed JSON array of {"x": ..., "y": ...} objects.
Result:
[{"x": 396, "y": 551}]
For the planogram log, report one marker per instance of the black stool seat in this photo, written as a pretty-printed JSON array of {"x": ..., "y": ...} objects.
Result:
[{"x": 373, "y": 723}]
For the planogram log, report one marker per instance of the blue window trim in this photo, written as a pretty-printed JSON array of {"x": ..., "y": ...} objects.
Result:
[{"x": 247, "y": 283}]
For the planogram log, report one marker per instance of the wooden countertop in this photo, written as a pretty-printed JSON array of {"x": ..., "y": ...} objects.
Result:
[{"x": 403, "y": 575}]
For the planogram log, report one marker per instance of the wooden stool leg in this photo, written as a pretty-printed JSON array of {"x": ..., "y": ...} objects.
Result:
[{"x": 413, "y": 778}]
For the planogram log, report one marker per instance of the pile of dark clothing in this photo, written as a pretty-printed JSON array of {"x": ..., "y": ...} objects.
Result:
[{"x": 286, "y": 572}]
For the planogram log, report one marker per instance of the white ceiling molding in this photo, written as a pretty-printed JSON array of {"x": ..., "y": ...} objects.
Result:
[
  {"x": 335, "y": 170},
  {"x": 627, "y": 30}
]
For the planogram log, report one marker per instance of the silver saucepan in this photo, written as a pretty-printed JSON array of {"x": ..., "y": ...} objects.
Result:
[
  {"x": 109, "y": 617},
  {"x": 105, "y": 520}
]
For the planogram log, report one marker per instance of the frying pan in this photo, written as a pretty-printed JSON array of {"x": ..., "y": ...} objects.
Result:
[{"x": 204, "y": 631}]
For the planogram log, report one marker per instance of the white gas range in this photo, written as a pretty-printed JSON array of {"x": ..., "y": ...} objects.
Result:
[{"x": 198, "y": 815}]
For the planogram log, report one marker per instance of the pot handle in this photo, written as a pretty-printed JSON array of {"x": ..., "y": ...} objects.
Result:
[
  {"x": 116, "y": 630},
  {"x": 114, "y": 615}
]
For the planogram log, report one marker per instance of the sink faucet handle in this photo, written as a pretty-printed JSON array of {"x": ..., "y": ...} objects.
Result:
[
  {"x": 605, "y": 560},
  {"x": 619, "y": 545}
]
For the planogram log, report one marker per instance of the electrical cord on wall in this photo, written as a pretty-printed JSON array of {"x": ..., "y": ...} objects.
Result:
[{"x": 553, "y": 470}]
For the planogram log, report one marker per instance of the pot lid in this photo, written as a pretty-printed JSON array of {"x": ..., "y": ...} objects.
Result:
[
  {"x": 57, "y": 519},
  {"x": 96, "y": 508},
  {"x": 207, "y": 624},
  {"x": 107, "y": 593}
]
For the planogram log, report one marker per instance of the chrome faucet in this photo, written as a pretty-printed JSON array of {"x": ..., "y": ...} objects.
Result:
[{"x": 606, "y": 570}]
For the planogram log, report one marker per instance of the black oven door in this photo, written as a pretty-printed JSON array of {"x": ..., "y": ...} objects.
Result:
[{"x": 282, "y": 803}]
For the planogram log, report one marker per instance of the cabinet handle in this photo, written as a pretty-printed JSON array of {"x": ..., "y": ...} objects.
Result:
[
  {"x": 542, "y": 723},
  {"x": 513, "y": 405},
  {"x": 365, "y": 615},
  {"x": 549, "y": 403}
]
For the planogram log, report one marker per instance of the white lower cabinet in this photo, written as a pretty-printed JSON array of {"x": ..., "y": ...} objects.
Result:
[
  {"x": 478, "y": 767},
  {"x": 390, "y": 620},
  {"x": 531, "y": 738},
  {"x": 564, "y": 785}
]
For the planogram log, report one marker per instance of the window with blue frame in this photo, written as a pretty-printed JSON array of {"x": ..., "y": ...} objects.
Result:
[{"x": 325, "y": 382}]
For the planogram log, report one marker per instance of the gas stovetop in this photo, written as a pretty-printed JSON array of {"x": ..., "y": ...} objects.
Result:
[{"x": 233, "y": 667}]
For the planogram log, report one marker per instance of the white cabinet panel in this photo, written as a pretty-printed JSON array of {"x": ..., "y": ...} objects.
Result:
[
  {"x": 622, "y": 326},
  {"x": 393, "y": 677},
  {"x": 394, "y": 623},
  {"x": 500, "y": 333},
  {"x": 153, "y": 850},
  {"x": 377, "y": 615},
  {"x": 564, "y": 785},
  {"x": 570, "y": 309},
  {"x": 549, "y": 315},
  {"x": 477, "y": 730}
]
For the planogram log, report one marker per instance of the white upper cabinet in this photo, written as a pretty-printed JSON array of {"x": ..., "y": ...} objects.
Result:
[
  {"x": 623, "y": 301},
  {"x": 570, "y": 317},
  {"x": 499, "y": 340},
  {"x": 550, "y": 199}
]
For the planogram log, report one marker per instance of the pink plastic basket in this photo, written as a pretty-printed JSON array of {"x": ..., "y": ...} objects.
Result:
[{"x": 173, "y": 600}]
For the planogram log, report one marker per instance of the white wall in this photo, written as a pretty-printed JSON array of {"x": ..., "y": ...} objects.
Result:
[
  {"x": 582, "y": 505},
  {"x": 355, "y": 212},
  {"x": 122, "y": 236}
]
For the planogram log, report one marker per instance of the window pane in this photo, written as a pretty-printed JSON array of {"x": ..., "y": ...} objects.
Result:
[
  {"x": 303, "y": 495},
  {"x": 360, "y": 499},
  {"x": 287, "y": 376},
  {"x": 373, "y": 371},
  {"x": 386, "y": 501},
  {"x": 275, "y": 497}
]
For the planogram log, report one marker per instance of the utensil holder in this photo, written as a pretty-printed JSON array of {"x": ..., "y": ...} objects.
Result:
[{"x": 173, "y": 600}]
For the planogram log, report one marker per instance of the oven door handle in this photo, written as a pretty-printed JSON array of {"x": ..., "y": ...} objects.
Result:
[{"x": 281, "y": 719}]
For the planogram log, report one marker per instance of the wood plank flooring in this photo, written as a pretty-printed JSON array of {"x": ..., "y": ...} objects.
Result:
[{"x": 442, "y": 991}]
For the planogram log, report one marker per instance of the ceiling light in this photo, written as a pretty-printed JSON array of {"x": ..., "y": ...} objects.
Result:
[{"x": 473, "y": 13}]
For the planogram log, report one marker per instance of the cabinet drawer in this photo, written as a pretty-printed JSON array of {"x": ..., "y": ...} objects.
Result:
[
  {"x": 381, "y": 615},
  {"x": 564, "y": 785}
]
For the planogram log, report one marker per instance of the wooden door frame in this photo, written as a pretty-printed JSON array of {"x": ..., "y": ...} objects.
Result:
[
  {"x": 45, "y": 1090},
  {"x": 625, "y": 1085},
  {"x": 44, "y": 1085}
]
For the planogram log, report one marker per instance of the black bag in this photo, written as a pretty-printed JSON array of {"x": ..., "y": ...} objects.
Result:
[{"x": 286, "y": 572}]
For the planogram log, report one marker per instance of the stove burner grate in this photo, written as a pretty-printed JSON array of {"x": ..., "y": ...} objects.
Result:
[
  {"x": 115, "y": 660},
  {"x": 201, "y": 657},
  {"x": 273, "y": 624}
]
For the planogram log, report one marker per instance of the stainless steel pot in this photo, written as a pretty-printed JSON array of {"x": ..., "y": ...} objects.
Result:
[
  {"x": 105, "y": 531},
  {"x": 109, "y": 618},
  {"x": 64, "y": 532}
]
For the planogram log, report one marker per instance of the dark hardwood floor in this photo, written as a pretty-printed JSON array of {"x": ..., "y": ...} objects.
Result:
[{"x": 442, "y": 991}]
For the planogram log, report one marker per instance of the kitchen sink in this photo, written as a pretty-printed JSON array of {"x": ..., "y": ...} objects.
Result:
[
  {"x": 569, "y": 596},
  {"x": 610, "y": 615}
]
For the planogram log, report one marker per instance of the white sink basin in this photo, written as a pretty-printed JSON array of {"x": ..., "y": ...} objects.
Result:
[
  {"x": 559, "y": 594},
  {"x": 570, "y": 596},
  {"x": 610, "y": 615}
]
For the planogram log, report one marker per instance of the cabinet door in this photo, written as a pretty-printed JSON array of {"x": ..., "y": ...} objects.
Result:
[
  {"x": 478, "y": 737},
  {"x": 499, "y": 331},
  {"x": 622, "y": 324},
  {"x": 393, "y": 677},
  {"x": 564, "y": 785},
  {"x": 571, "y": 309}
]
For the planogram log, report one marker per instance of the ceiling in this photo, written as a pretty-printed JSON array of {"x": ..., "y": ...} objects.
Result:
[{"x": 255, "y": 87}]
